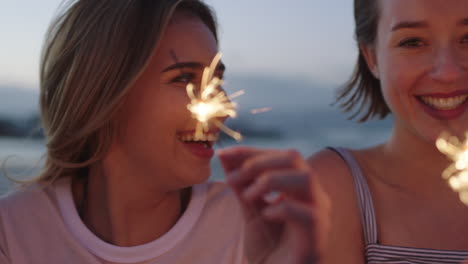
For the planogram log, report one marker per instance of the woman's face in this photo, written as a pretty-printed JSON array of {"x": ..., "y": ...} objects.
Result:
[
  {"x": 156, "y": 135},
  {"x": 421, "y": 59}
]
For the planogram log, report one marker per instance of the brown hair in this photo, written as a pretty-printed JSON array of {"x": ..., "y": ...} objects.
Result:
[
  {"x": 93, "y": 53},
  {"x": 363, "y": 91}
]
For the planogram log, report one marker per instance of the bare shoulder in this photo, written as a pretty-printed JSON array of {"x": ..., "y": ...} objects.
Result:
[
  {"x": 328, "y": 162},
  {"x": 346, "y": 243},
  {"x": 333, "y": 173}
]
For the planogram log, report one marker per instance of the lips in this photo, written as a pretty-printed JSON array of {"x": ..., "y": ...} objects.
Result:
[
  {"x": 444, "y": 106},
  {"x": 200, "y": 147}
]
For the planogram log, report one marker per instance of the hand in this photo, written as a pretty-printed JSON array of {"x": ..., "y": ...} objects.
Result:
[{"x": 289, "y": 228}]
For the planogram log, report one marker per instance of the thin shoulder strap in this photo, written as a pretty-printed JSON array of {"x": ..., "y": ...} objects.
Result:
[{"x": 363, "y": 194}]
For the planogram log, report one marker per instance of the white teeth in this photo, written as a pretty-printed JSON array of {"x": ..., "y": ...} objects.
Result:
[
  {"x": 204, "y": 137},
  {"x": 444, "y": 103}
]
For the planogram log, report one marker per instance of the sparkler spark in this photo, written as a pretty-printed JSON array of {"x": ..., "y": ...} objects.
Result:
[
  {"x": 457, "y": 173},
  {"x": 211, "y": 103},
  {"x": 260, "y": 110}
]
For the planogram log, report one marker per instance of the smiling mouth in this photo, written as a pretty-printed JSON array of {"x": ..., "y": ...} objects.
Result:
[
  {"x": 207, "y": 140},
  {"x": 444, "y": 103}
]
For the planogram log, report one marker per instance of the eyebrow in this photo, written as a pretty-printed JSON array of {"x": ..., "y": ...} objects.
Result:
[
  {"x": 422, "y": 24},
  {"x": 192, "y": 65},
  {"x": 409, "y": 24}
]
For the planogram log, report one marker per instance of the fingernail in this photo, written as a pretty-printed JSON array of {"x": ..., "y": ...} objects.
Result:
[
  {"x": 272, "y": 197},
  {"x": 222, "y": 153}
]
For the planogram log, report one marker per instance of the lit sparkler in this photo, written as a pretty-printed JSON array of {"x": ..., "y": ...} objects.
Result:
[
  {"x": 457, "y": 173},
  {"x": 211, "y": 103}
]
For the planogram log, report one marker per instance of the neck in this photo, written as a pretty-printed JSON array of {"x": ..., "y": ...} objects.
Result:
[
  {"x": 123, "y": 211},
  {"x": 414, "y": 162}
]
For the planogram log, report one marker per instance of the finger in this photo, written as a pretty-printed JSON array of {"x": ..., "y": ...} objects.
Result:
[
  {"x": 231, "y": 179},
  {"x": 275, "y": 159},
  {"x": 299, "y": 228},
  {"x": 302, "y": 215},
  {"x": 306, "y": 219},
  {"x": 272, "y": 160},
  {"x": 290, "y": 211},
  {"x": 290, "y": 183},
  {"x": 253, "y": 165},
  {"x": 251, "y": 208},
  {"x": 233, "y": 158},
  {"x": 307, "y": 227}
]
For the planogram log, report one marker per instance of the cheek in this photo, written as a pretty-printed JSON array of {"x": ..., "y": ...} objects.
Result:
[
  {"x": 155, "y": 117},
  {"x": 167, "y": 114},
  {"x": 399, "y": 77}
]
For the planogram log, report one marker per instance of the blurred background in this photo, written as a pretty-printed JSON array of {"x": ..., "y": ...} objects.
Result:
[{"x": 290, "y": 57}]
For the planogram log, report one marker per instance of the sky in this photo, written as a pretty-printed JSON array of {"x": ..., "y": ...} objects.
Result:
[{"x": 303, "y": 39}]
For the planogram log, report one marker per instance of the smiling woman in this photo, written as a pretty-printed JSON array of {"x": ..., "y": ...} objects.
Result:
[
  {"x": 119, "y": 170},
  {"x": 391, "y": 204},
  {"x": 123, "y": 182}
]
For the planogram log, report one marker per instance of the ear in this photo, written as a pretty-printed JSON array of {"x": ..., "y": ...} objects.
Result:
[{"x": 368, "y": 51}]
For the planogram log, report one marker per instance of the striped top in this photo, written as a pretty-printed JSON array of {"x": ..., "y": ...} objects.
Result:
[{"x": 378, "y": 253}]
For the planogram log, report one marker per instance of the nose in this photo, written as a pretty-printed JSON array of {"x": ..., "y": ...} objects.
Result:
[{"x": 447, "y": 66}]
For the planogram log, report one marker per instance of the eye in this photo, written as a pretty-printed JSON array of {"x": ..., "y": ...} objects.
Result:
[
  {"x": 411, "y": 43},
  {"x": 184, "y": 78},
  {"x": 220, "y": 75}
]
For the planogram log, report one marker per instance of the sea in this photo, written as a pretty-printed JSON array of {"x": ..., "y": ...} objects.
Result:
[{"x": 307, "y": 131}]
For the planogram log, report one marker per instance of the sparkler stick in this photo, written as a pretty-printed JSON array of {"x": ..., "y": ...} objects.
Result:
[{"x": 457, "y": 172}]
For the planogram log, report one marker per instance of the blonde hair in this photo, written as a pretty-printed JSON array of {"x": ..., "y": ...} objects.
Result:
[{"x": 93, "y": 53}]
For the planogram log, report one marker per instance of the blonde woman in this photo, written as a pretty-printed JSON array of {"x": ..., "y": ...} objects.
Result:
[{"x": 124, "y": 178}]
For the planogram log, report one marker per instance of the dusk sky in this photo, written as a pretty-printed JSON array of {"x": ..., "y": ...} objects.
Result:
[{"x": 305, "y": 39}]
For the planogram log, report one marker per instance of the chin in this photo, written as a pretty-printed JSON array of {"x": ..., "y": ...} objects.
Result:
[
  {"x": 429, "y": 135},
  {"x": 196, "y": 176}
]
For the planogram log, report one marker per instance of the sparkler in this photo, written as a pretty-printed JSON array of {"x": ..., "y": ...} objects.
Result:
[
  {"x": 457, "y": 173},
  {"x": 211, "y": 103}
]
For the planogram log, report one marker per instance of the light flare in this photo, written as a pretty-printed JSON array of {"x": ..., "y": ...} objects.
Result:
[
  {"x": 457, "y": 173},
  {"x": 211, "y": 103}
]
